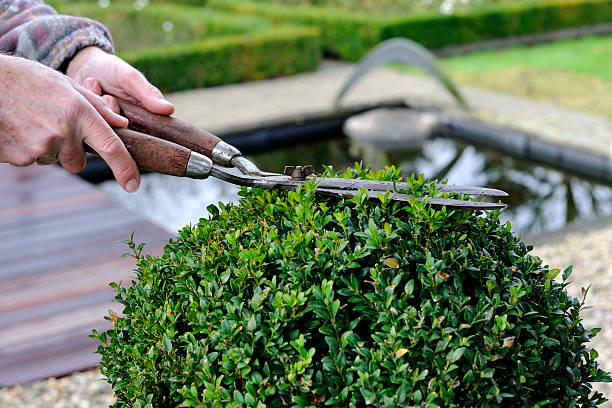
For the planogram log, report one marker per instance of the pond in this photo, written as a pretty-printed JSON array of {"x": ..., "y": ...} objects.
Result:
[{"x": 541, "y": 199}]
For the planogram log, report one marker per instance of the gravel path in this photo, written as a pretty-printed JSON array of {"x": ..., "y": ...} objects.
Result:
[
  {"x": 589, "y": 252},
  {"x": 591, "y": 255},
  {"x": 81, "y": 390}
]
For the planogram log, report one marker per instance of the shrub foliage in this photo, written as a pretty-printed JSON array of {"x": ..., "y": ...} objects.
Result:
[
  {"x": 284, "y": 50},
  {"x": 349, "y": 35},
  {"x": 201, "y": 46},
  {"x": 290, "y": 299}
]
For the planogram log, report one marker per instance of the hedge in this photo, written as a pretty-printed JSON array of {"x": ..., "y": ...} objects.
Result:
[
  {"x": 290, "y": 299},
  {"x": 285, "y": 50},
  {"x": 136, "y": 29},
  {"x": 204, "y": 47},
  {"x": 350, "y": 35}
]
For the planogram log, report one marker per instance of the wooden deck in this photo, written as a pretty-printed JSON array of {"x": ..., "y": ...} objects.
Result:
[{"x": 59, "y": 249}]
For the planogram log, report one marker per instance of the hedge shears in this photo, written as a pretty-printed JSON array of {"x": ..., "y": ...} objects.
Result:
[{"x": 166, "y": 145}]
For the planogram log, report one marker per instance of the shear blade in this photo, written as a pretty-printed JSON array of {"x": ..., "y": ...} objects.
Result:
[
  {"x": 383, "y": 186},
  {"x": 433, "y": 201}
]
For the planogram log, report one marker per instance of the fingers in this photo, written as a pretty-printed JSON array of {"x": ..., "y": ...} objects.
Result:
[
  {"x": 112, "y": 103},
  {"x": 100, "y": 137},
  {"x": 93, "y": 85},
  {"x": 112, "y": 118},
  {"x": 106, "y": 143},
  {"x": 72, "y": 157},
  {"x": 136, "y": 85}
]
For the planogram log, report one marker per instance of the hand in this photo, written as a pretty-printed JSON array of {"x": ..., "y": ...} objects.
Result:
[
  {"x": 46, "y": 116},
  {"x": 100, "y": 72}
]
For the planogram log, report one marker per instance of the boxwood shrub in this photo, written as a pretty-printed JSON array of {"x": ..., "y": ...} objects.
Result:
[
  {"x": 350, "y": 35},
  {"x": 291, "y": 299},
  {"x": 202, "y": 46},
  {"x": 284, "y": 50},
  {"x": 137, "y": 29}
]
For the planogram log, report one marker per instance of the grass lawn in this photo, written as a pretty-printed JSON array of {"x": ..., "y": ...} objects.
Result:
[{"x": 575, "y": 73}]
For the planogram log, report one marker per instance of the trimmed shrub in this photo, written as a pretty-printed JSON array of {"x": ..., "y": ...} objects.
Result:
[
  {"x": 286, "y": 50},
  {"x": 346, "y": 35},
  {"x": 203, "y": 47},
  {"x": 291, "y": 299},
  {"x": 504, "y": 20},
  {"x": 350, "y": 35},
  {"x": 139, "y": 29}
]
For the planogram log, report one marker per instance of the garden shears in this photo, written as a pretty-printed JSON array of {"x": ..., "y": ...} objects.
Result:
[{"x": 163, "y": 144}]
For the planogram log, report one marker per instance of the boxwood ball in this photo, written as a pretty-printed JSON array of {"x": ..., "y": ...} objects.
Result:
[{"x": 293, "y": 299}]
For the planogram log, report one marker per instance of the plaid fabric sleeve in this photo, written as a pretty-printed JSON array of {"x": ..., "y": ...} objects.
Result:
[{"x": 33, "y": 30}]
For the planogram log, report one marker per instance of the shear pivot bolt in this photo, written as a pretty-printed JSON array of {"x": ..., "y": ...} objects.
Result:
[{"x": 298, "y": 172}]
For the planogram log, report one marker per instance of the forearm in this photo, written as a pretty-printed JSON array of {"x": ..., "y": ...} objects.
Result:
[{"x": 33, "y": 30}]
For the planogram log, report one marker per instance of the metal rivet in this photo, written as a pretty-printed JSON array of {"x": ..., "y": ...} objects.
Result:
[{"x": 298, "y": 172}]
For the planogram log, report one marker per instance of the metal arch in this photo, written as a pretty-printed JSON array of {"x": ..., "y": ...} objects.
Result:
[{"x": 405, "y": 51}]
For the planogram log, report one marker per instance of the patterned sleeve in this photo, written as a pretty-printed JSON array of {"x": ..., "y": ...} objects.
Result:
[{"x": 33, "y": 30}]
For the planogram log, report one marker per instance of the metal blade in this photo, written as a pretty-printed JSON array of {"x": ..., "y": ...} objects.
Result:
[
  {"x": 356, "y": 184},
  {"x": 347, "y": 188},
  {"x": 249, "y": 169},
  {"x": 433, "y": 201},
  {"x": 473, "y": 191}
]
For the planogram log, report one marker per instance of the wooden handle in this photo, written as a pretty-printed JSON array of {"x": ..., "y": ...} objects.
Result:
[
  {"x": 168, "y": 128},
  {"x": 153, "y": 154}
]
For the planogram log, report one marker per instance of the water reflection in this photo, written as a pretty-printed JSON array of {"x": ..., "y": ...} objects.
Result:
[{"x": 541, "y": 199}]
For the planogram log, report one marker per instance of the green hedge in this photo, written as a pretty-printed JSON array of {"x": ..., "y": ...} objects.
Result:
[
  {"x": 137, "y": 29},
  {"x": 204, "y": 47},
  {"x": 499, "y": 22},
  {"x": 290, "y": 299},
  {"x": 351, "y": 35},
  {"x": 285, "y": 50}
]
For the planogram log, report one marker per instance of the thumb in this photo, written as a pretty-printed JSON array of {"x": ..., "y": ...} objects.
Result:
[{"x": 148, "y": 95}]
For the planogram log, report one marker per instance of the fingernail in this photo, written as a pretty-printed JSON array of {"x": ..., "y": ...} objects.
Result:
[{"x": 131, "y": 186}]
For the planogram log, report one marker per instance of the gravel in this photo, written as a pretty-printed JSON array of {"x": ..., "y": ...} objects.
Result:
[
  {"x": 88, "y": 389},
  {"x": 591, "y": 255},
  {"x": 589, "y": 252}
]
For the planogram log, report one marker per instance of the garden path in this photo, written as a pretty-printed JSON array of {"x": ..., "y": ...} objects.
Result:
[{"x": 59, "y": 249}]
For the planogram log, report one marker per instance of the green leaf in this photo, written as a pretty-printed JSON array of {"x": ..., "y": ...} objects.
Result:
[
  {"x": 252, "y": 323},
  {"x": 455, "y": 354},
  {"x": 249, "y": 400},
  {"x": 567, "y": 272},
  {"x": 552, "y": 274},
  {"x": 487, "y": 373},
  {"x": 167, "y": 344}
]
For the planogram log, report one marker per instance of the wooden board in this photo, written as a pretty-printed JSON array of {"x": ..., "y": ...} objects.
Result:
[{"x": 60, "y": 247}]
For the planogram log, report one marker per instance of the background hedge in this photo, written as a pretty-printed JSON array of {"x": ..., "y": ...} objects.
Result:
[
  {"x": 350, "y": 35},
  {"x": 203, "y": 33},
  {"x": 137, "y": 29},
  {"x": 205, "y": 46},
  {"x": 230, "y": 59}
]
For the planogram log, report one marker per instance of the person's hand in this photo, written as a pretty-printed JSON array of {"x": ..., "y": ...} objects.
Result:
[
  {"x": 45, "y": 117},
  {"x": 101, "y": 72}
]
